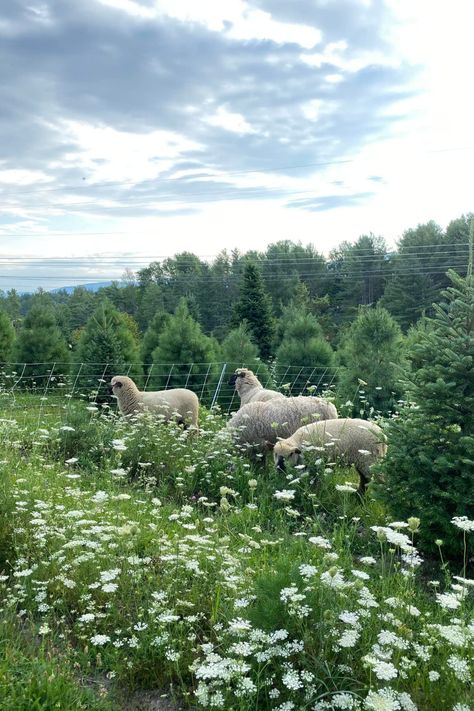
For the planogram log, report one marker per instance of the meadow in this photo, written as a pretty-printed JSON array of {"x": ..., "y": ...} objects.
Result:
[{"x": 135, "y": 556}]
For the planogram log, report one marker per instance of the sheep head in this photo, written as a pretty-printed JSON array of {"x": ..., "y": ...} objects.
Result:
[
  {"x": 284, "y": 451},
  {"x": 121, "y": 384},
  {"x": 244, "y": 379}
]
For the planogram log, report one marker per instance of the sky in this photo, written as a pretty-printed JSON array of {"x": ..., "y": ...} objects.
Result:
[{"x": 134, "y": 129}]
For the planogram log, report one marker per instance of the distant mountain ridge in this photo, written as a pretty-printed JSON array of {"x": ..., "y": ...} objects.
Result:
[{"x": 94, "y": 286}]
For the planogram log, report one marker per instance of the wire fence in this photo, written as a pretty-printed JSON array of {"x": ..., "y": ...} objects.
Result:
[{"x": 56, "y": 385}]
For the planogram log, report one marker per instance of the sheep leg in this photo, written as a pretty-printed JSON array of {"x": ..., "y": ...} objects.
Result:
[{"x": 364, "y": 478}]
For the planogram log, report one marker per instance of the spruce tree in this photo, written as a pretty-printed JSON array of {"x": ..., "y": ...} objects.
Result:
[
  {"x": 107, "y": 347},
  {"x": 41, "y": 344},
  {"x": 304, "y": 357},
  {"x": 371, "y": 352},
  {"x": 254, "y": 307},
  {"x": 184, "y": 356},
  {"x": 429, "y": 469},
  {"x": 7, "y": 337},
  {"x": 151, "y": 338}
]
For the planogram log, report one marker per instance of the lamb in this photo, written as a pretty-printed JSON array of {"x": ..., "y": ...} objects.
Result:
[
  {"x": 259, "y": 424},
  {"x": 176, "y": 404},
  {"x": 354, "y": 441},
  {"x": 250, "y": 388}
]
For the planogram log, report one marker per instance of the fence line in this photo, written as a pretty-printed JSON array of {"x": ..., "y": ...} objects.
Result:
[{"x": 90, "y": 381}]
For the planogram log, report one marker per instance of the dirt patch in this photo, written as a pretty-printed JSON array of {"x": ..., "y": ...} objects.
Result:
[{"x": 149, "y": 701}]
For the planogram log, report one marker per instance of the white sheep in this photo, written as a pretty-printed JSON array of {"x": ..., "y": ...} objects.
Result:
[
  {"x": 352, "y": 441},
  {"x": 176, "y": 404},
  {"x": 250, "y": 388},
  {"x": 259, "y": 424}
]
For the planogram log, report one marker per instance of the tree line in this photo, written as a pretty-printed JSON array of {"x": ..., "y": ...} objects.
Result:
[{"x": 286, "y": 307}]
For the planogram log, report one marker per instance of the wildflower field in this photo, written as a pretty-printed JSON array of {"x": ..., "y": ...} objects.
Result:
[{"x": 137, "y": 556}]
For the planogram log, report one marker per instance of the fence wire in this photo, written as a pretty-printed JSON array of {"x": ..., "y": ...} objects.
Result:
[{"x": 55, "y": 385}]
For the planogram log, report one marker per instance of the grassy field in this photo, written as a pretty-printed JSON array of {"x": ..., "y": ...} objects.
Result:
[{"x": 138, "y": 557}]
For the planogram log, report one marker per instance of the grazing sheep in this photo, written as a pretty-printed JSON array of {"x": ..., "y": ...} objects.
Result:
[
  {"x": 354, "y": 441},
  {"x": 176, "y": 404},
  {"x": 250, "y": 388},
  {"x": 259, "y": 424}
]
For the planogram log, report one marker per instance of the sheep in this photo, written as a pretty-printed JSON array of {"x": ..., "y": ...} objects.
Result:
[
  {"x": 354, "y": 441},
  {"x": 250, "y": 388},
  {"x": 179, "y": 404},
  {"x": 259, "y": 424}
]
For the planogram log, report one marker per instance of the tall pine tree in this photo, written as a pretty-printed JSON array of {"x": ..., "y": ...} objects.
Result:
[
  {"x": 7, "y": 338},
  {"x": 151, "y": 338},
  {"x": 184, "y": 356},
  {"x": 254, "y": 307},
  {"x": 41, "y": 345},
  {"x": 372, "y": 351},
  {"x": 303, "y": 357},
  {"x": 107, "y": 347}
]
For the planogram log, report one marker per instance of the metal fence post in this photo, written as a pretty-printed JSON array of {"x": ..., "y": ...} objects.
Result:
[
  {"x": 169, "y": 376},
  {"x": 44, "y": 394},
  {"x": 148, "y": 377},
  {"x": 101, "y": 380},
  {"x": 217, "y": 390}
]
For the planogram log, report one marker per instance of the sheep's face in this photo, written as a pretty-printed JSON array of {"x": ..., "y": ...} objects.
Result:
[
  {"x": 241, "y": 378},
  {"x": 118, "y": 384},
  {"x": 283, "y": 453},
  {"x": 237, "y": 378}
]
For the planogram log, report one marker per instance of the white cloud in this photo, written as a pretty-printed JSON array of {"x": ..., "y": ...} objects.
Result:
[
  {"x": 234, "y": 122},
  {"x": 235, "y": 18},
  {"x": 107, "y": 154}
]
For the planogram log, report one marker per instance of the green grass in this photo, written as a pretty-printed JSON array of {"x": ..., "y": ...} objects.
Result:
[{"x": 161, "y": 559}]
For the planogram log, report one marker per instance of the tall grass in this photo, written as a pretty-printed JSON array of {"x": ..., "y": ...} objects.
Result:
[{"x": 151, "y": 557}]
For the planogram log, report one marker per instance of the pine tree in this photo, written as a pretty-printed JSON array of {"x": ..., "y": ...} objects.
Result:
[
  {"x": 151, "y": 338},
  {"x": 304, "y": 357},
  {"x": 429, "y": 470},
  {"x": 107, "y": 347},
  {"x": 254, "y": 307},
  {"x": 184, "y": 356},
  {"x": 371, "y": 352},
  {"x": 239, "y": 351},
  {"x": 41, "y": 345},
  {"x": 7, "y": 337}
]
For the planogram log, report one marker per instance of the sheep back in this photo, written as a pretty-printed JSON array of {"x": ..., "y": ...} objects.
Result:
[
  {"x": 353, "y": 441},
  {"x": 260, "y": 424}
]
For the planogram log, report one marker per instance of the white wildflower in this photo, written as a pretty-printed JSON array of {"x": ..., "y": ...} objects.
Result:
[{"x": 463, "y": 523}]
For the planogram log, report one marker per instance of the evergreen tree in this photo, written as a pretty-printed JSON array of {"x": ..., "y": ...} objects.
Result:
[
  {"x": 41, "y": 344},
  {"x": 80, "y": 306},
  {"x": 424, "y": 256},
  {"x": 239, "y": 351},
  {"x": 12, "y": 306},
  {"x": 184, "y": 356},
  {"x": 303, "y": 356},
  {"x": 7, "y": 338},
  {"x": 107, "y": 347},
  {"x": 254, "y": 307},
  {"x": 371, "y": 352},
  {"x": 429, "y": 469},
  {"x": 150, "y": 298},
  {"x": 151, "y": 338}
]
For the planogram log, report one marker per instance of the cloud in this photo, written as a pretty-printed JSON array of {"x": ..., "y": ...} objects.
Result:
[
  {"x": 114, "y": 109},
  {"x": 330, "y": 202}
]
